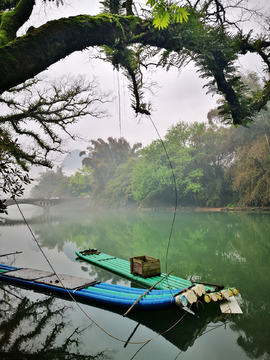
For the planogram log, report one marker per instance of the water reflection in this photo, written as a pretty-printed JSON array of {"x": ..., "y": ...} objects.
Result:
[
  {"x": 29, "y": 211},
  {"x": 48, "y": 319},
  {"x": 231, "y": 249},
  {"x": 34, "y": 329}
]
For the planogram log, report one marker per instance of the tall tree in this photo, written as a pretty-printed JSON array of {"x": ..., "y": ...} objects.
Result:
[
  {"x": 215, "y": 152},
  {"x": 81, "y": 182},
  {"x": 104, "y": 158},
  {"x": 48, "y": 181},
  {"x": 154, "y": 183},
  {"x": 250, "y": 169},
  {"x": 118, "y": 191}
]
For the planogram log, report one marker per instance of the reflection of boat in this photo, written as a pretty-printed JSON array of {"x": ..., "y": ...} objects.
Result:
[
  {"x": 123, "y": 268},
  {"x": 184, "y": 328},
  {"x": 91, "y": 291},
  {"x": 187, "y": 330},
  {"x": 182, "y": 335}
]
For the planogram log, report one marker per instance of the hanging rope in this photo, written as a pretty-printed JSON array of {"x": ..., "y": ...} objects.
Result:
[
  {"x": 175, "y": 191},
  {"x": 59, "y": 279},
  {"x": 75, "y": 301},
  {"x": 119, "y": 105}
]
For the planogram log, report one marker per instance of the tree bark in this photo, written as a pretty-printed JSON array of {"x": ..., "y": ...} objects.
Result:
[{"x": 27, "y": 56}]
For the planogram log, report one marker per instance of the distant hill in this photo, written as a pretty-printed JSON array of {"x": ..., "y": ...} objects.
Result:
[{"x": 72, "y": 162}]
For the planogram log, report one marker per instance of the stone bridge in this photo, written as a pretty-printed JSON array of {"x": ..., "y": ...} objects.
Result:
[{"x": 42, "y": 202}]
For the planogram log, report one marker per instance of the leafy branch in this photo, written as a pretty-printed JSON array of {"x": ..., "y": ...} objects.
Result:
[{"x": 164, "y": 13}]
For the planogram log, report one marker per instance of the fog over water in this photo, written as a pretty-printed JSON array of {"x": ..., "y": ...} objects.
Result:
[{"x": 222, "y": 248}]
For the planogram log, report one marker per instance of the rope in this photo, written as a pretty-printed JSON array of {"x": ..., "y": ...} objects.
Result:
[
  {"x": 119, "y": 105},
  {"x": 175, "y": 190},
  {"x": 75, "y": 301},
  {"x": 71, "y": 296},
  {"x": 147, "y": 291}
]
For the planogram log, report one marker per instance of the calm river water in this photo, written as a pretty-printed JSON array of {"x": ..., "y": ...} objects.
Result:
[{"x": 222, "y": 248}]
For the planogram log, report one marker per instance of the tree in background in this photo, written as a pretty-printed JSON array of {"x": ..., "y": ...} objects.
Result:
[
  {"x": 215, "y": 152},
  {"x": 81, "y": 182},
  {"x": 48, "y": 183},
  {"x": 118, "y": 191},
  {"x": 209, "y": 165},
  {"x": 250, "y": 171},
  {"x": 247, "y": 157},
  {"x": 153, "y": 181},
  {"x": 200, "y": 156},
  {"x": 105, "y": 157}
]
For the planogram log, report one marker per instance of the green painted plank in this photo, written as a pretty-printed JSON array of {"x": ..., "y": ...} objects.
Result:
[{"x": 122, "y": 267}]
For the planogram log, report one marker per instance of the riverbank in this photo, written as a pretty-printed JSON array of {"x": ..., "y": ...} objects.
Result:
[{"x": 210, "y": 209}]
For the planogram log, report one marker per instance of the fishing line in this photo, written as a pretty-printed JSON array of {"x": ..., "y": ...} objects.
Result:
[
  {"x": 136, "y": 353},
  {"x": 173, "y": 221},
  {"x": 119, "y": 105},
  {"x": 75, "y": 301},
  {"x": 175, "y": 190},
  {"x": 11, "y": 293}
]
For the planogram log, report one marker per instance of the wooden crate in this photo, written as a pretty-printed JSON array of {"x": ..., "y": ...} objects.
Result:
[{"x": 144, "y": 266}]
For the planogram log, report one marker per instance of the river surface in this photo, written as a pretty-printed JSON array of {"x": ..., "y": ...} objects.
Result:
[{"x": 232, "y": 249}]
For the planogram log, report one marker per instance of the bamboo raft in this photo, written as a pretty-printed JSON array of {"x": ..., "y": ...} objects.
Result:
[
  {"x": 124, "y": 268},
  {"x": 91, "y": 291}
]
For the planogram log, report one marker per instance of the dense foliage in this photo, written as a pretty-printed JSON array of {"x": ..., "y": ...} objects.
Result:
[
  {"x": 210, "y": 33},
  {"x": 209, "y": 165},
  {"x": 162, "y": 34}
]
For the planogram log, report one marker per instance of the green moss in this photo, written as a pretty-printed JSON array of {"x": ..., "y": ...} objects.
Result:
[
  {"x": 8, "y": 24},
  {"x": 3, "y": 38}
]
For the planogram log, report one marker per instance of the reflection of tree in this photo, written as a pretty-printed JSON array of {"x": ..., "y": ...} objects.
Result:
[
  {"x": 252, "y": 326},
  {"x": 252, "y": 241},
  {"x": 230, "y": 249},
  {"x": 226, "y": 248},
  {"x": 33, "y": 329}
]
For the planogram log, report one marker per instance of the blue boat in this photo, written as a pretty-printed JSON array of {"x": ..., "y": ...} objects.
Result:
[{"x": 92, "y": 292}]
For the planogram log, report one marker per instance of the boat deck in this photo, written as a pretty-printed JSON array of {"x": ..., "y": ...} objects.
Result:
[
  {"x": 48, "y": 278},
  {"x": 89, "y": 291},
  {"x": 122, "y": 267}
]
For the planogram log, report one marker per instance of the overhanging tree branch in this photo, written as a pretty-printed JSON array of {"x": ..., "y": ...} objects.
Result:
[
  {"x": 31, "y": 54},
  {"x": 37, "y": 111}
]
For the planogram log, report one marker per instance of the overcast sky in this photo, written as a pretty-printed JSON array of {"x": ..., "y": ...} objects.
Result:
[{"x": 179, "y": 96}]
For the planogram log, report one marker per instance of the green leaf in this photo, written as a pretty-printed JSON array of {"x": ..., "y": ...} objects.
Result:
[
  {"x": 162, "y": 20},
  {"x": 151, "y": 2}
]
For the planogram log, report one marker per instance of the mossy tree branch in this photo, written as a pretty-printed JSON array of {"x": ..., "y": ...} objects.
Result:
[
  {"x": 27, "y": 56},
  {"x": 11, "y": 21}
]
